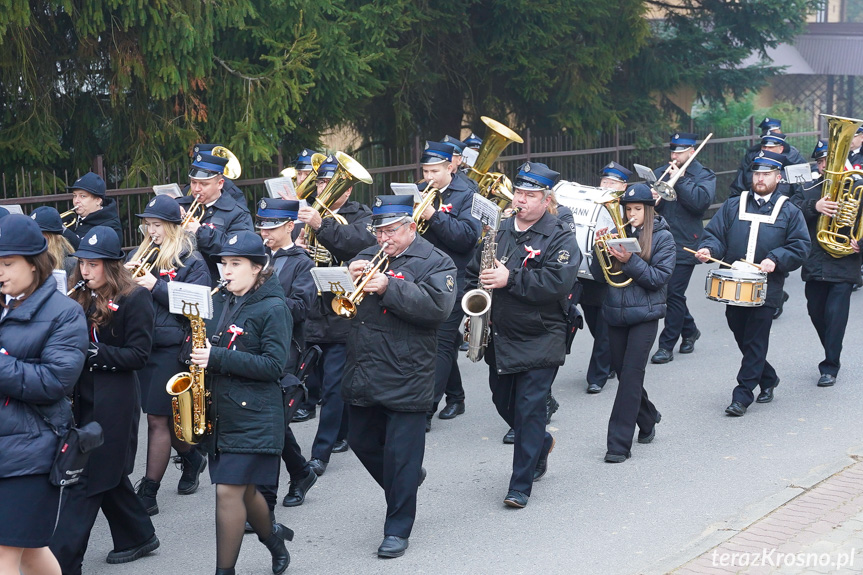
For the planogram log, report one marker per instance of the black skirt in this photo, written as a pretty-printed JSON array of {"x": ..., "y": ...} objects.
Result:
[
  {"x": 28, "y": 505},
  {"x": 244, "y": 469},
  {"x": 162, "y": 366}
]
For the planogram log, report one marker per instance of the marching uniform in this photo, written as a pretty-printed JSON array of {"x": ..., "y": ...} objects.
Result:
[
  {"x": 528, "y": 327},
  {"x": 108, "y": 215},
  {"x": 743, "y": 229},
  {"x": 389, "y": 375},
  {"x": 769, "y": 127},
  {"x": 855, "y": 155},
  {"x": 461, "y": 173},
  {"x": 696, "y": 191}
]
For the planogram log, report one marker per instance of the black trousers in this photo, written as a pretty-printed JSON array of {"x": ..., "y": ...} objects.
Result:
[
  {"x": 447, "y": 377},
  {"x": 391, "y": 445},
  {"x": 520, "y": 401},
  {"x": 599, "y": 367},
  {"x": 828, "y": 304},
  {"x": 678, "y": 320},
  {"x": 129, "y": 523},
  {"x": 295, "y": 463},
  {"x": 751, "y": 328},
  {"x": 630, "y": 350},
  {"x": 333, "y": 418}
]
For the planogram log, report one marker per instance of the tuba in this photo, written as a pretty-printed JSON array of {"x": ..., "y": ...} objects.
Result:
[
  {"x": 346, "y": 306},
  {"x": 844, "y": 187},
  {"x": 308, "y": 187},
  {"x": 494, "y": 186},
  {"x": 189, "y": 394},
  {"x": 612, "y": 276},
  {"x": 476, "y": 304},
  {"x": 233, "y": 169}
]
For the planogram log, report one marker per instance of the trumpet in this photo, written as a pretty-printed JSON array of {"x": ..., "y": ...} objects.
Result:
[
  {"x": 77, "y": 287},
  {"x": 220, "y": 285},
  {"x": 147, "y": 261},
  {"x": 346, "y": 306},
  {"x": 72, "y": 221},
  {"x": 431, "y": 197},
  {"x": 192, "y": 213},
  {"x": 666, "y": 189}
]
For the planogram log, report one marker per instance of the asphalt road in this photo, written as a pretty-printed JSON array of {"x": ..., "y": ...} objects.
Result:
[{"x": 703, "y": 471}]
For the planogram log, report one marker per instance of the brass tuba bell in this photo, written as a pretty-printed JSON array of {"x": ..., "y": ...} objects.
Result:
[
  {"x": 494, "y": 186},
  {"x": 845, "y": 187},
  {"x": 233, "y": 169}
]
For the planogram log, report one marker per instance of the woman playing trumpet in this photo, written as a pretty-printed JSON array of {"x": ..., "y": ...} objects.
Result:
[{"x": 175, "y": 259}]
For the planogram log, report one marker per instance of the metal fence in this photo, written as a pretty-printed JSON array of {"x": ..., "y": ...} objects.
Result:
[{"x": 578, "y": 157}]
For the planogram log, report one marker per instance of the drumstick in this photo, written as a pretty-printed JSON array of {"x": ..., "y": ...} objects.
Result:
[{"x": 720, "y": 262}]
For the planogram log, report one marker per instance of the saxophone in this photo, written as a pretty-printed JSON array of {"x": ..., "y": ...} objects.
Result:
[
  {"x": 476, "y": 304},
  {"x": 189, "y": 394}
]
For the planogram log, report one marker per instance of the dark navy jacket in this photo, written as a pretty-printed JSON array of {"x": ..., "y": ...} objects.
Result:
[
  {"x": 786, "y": 242},
  {"x": 743, "y": 179},
  {"x": 108, "y": 216},
  {"x": 696, "y": 190},
  {"x": 292, "y": 266},
  {"x": 528, "y": 316},
  {"x": 820, "y": 265},
  {"x": 856, "y": 159},
  {"x": 393, "y": 340},
  {"x": 643, "y": 299},
  {"x": 45, "y": 339}
]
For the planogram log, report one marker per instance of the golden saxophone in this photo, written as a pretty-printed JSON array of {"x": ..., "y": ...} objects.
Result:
[{"x": 190, "y": 396}]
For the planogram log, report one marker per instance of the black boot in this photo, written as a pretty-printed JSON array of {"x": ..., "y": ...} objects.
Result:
[
  {"x": 276, "y": 544},
  {"x": 226, "y": 571},
  {"x": 193, "y": 465},
  {"x": 147, "y": 491}
]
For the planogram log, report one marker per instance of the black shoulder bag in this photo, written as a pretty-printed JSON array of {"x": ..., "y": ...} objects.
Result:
[{"x": 73, "y": 451}]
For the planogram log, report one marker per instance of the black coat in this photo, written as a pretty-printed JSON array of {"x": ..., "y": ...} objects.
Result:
[
  {"x": 344, "y": 242},
  {"x": 452, "y": 229},
  {"x": 820, "y": 265},
  {"x": 108, "y": 215},
  {"x": 528, "y": 316},
  {"x": 856, "y": 158},
  {"x": 393, "y": 340},
  {"x": 696, "y": 191},
  {"x": 108, "y": 392},
  {"x": 45, "y": 340},
  {"x": 247, "y": 409},
  {"x": 291, "y": 267},
  {"x": 786, "y": 242},
  {"x": 743, "y": 178},
  {"x": 643, "y": 299}
]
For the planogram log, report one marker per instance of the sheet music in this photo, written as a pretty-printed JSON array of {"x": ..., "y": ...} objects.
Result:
[
  {"x": 172, "y": 190},
  {"x": 798, "y": 174},
  {"x": 644, "y": 173},
  {"x": 486, "y": 211},
  {"x": 469, "y": 156},
  {"x": 60, "y": 276},
  {"x": 407, "y": 189},
  {"x": 335, "y": 280},
  {"x": 182, "y": 294},
  {"x": 281, "y": 188},
  {"x": 13, "y": 208}
]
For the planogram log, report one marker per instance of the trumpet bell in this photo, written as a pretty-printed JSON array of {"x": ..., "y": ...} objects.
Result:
[{"x": 233, "y": 169}]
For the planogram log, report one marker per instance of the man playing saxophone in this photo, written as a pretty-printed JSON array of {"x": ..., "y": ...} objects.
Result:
[
  {"x": 536, "y": 265},
  {"x": 390, "y": 369}
]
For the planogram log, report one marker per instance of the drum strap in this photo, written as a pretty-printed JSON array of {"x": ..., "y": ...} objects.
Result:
[{"x": 755, "y": 221}]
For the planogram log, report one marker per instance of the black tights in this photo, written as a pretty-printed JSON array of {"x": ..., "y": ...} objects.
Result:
[
  {"x": 236, "y": 504},
  {"x": 160, "y": 439}
]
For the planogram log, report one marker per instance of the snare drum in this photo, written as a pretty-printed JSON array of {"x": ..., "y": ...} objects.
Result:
[{"x": 736, "y": 287}]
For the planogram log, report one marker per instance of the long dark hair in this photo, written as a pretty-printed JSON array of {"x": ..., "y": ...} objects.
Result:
[
  {"x": 645, "y": 240},
  {"x": 118, "y": 283},
  {"x": 44, "y": 268}
]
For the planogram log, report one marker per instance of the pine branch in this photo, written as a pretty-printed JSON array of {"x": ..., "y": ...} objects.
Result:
[{"x": 238, "y": 74}]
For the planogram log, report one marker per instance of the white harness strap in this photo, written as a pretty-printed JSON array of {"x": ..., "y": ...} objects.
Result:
[{"x": 756, "y": 220}]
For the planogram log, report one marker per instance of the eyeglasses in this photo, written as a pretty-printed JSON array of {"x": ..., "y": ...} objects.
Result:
[{"x": 390, "y": 232}]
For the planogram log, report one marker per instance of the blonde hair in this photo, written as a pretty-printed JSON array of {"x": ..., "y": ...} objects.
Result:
[
  {"x": 176, "y": 241},
  {"x": 58, "y": 249}
]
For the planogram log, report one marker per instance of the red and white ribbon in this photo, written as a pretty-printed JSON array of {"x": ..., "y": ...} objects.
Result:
[
  {"x": 171, "y": 273},
  {"x": 112, "y": 306},
  {"x": 446, "y": 208},
  {"x": 209, "y": 225},
  {"x": 235, "y": 331},
  {"x": 393, "y": 274},
  {"x": 531, "y": 254},
  {"x": 3, "y": 351}
]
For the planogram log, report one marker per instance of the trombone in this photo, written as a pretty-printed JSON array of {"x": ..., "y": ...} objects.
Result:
[
  {"x": 71, "y": 221},
  {"x": 346, "y": 306},
  {"x": 666, "y": 189}
]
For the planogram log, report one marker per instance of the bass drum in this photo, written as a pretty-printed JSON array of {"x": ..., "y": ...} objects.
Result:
[{"x": 588, "y": 215}]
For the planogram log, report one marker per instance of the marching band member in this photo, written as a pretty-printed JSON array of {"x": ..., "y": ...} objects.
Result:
[
  {"x": 291, "y": 266},
  {"x": 855, "y": 155},
  {"x": 633, "y": 313},
  {"x": 176, "y": 260},
  {"x": 245, "y": 357},
  {"x": 457, "y": 161},
  {"x": 120, "y": 322},
  {"x": 303, "y": 165},
  {"x": 764, "y": 229},
  {"x": 455, "y": 232},
  {"x": 536, "y": 266},
  {"x": 44, "y": 345},
  {"x": 230, "y": 187},
  {"x": 59, "y": 247},
  {"x": 92, "y": 208},
  {"x": 769, "y": 126},
  {"x": 324, "y": 328},
  {"x": 223, "y": 215},
  {"x": 696, "y": 190},
  {"x": 473, "y": 142},
  {"x": 389, "y": 374},
  {"x": 828, "y": 280}
]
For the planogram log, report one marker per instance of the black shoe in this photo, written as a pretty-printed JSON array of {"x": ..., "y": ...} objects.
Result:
[
  {"x": 688, "y": 343},
  {"x": 611, "y": 374},
  {"x": 318, "y": 466},
  {"x": 297, "y": 490},
  {"x": 303, "y": 415},
  {"x": 393, "y": 546},
  {"x": 616, "y": 457},
  {"x": 551, "y": 405},
  {"x": 509, "y": 438},
  {"x": 230, "y": 571},
  {"x": 778, "y": 311},
  {"x": 147, "y": 489},
  {"x": 428, "y": 422},
  {"x": 129, "y": 555},
  {"x": 542, "y": 464},
  {"x": 736, "y": 409},
  {"x": 423, "y": 474},
  {"x": 515, "y": 499},
  {"x": 340, "y": 446},
  {"x": 766, "y": 396},
  {"x": 594, "y": 388},
  {"x": 452, "y": 410},
  {"x": 649, "y": 437},
  {"x": 826, "y": 380},
  {"x": 193, "y": 466},
  {"x": 662, "y": 356},
  {"x": 279, "y": 551}
]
